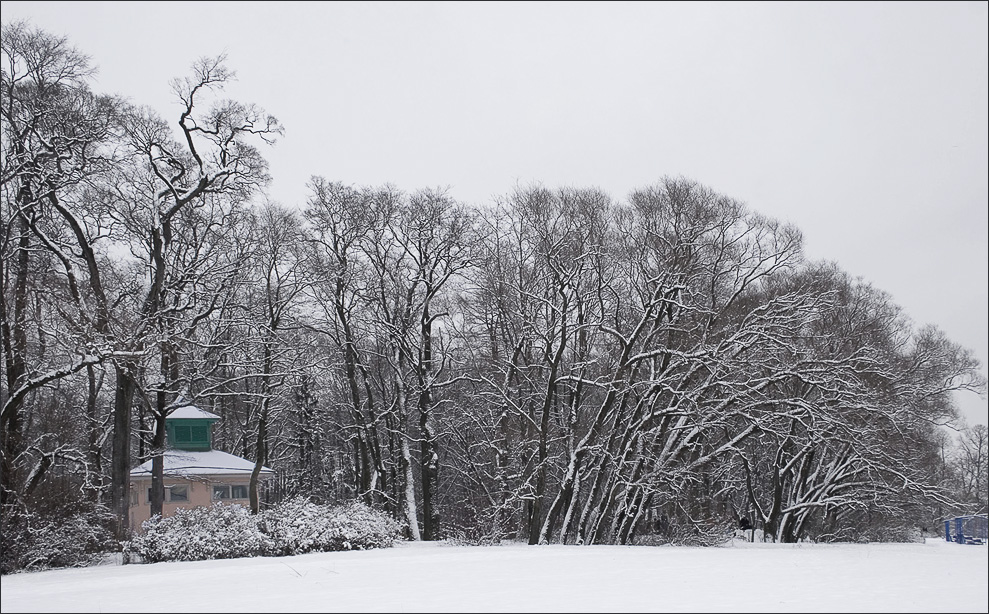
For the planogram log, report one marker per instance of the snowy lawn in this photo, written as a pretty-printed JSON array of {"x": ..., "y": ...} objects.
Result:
[{"x": 741, "y": 577}]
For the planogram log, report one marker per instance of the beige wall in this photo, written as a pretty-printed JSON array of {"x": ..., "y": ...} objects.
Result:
[{"x": 200, "y": 493}]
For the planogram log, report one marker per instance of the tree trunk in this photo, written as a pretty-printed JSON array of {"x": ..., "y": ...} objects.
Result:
[
  {"x": 158, "y": 440},
  {"x": 260, "y": 451},
  {"x": 15, "y": 358},
  {"x": 120, "y": 461},
  {"x": 429, "y": 464},
  {"x": 94, "y": 455},
  {"x": 409, "y": 494},
  {"x": 428, "y": 445}
]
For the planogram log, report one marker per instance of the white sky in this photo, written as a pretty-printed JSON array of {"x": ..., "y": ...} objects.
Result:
[
  {"x": 432, "y": 577},
  {"x": 865, "y": 124}
]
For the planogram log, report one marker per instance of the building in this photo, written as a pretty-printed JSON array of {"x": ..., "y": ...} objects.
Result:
[{"x": 194, "y": 473}]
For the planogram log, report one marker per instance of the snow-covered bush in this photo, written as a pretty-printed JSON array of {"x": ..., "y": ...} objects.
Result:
[
  {"x": 709, "y": 532},
  {"x": 202, "y": 533},
  {"x": 293, "y": 527},
  {"x": 893, "y": 532},
  {"x": 298, "y": 526},
  {"x": 360, "y": 527},
  {"x": 31, "y": 541}
]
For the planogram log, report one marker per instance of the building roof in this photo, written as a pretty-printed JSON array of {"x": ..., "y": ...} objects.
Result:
[
  {"x": 191, "y": 412},
  {"x": 187, "y": 464}
]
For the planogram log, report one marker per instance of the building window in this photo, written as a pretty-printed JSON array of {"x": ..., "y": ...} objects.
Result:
[
  {"x": 226, "y": 491},
  {"x": 175, "y": 492},
  {"x": 200, "y": 433},
  {"x": 190, "y": 434}
]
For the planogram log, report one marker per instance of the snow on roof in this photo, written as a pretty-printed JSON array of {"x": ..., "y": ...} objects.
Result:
[
  {"x": 191, "y": 411},
  {"x": 184, "y": 463}
]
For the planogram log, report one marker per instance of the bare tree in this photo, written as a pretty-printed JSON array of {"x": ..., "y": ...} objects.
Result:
[
  {"x": 212, "y": 157},
  {"x": 342, "y": 221},
  {"x": 971, "y": 465},
  {"x": 54, "y": 136}
]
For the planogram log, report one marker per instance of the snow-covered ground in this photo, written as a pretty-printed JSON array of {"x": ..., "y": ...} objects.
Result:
[{"x": 741, "y": 577}]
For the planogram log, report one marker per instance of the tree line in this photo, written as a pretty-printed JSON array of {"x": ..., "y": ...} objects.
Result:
[{"x": 553, "y": 366}]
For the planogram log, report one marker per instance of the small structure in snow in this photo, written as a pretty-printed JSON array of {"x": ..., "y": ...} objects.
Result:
[
  {"x": 967, "y": 529},
  {"x": 194, "y": 473}
]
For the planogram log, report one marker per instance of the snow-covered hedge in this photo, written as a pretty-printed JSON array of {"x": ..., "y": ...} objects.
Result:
[
  {"x": 293, "y": 527},
  {"x": 200, "y": 533},
  {"x": 299, "y": 526}
]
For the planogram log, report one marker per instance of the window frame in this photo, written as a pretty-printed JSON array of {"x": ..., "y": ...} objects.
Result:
[
  {"x": 183, "y": 433},
  {"x": 168, "y": 493},
  {"x": 171, "y": 493}
]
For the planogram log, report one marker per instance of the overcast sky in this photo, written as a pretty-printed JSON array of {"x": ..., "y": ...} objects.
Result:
[{"x": 864, "y": 124}]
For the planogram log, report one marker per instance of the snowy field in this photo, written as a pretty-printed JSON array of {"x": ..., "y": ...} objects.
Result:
[{"x": 741, "y": 577}]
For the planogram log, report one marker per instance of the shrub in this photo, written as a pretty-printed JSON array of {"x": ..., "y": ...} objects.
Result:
[
  {"x": 882, "y": 533},
  {"x": 201, "y": 533},
  {"x": 294, "y": 527},
  {"x": 72, "y": 537},
  {"x": 298, "y": 526}
]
